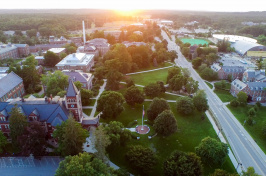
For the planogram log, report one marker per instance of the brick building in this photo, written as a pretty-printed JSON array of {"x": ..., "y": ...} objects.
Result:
[
  {"x": 13, "y": 51},
  {"x": 224, "y": 71},
  {"x": 101, "y": 44},
  {"x": 254, "y": 76},
  {"x": 255, "y": 90},
  {"x": 11, "y": 86}
]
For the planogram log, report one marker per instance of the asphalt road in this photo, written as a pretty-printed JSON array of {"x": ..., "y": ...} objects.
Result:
[{"x": 245, "y": 149}]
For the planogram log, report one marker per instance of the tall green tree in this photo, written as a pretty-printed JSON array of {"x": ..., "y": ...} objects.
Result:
[
  {"x": 113, "y": 79},
  {"x": 192, "y": 85},
  {"x": 172, "y": 72},
  {"x": 117, "y": 133},
  {"x": 212, "y": 151},
  {"x": 200, "y": 101},
  {"x": 134, "y": 95},
  {"x": 110, "y": 104},
  {"x": 83, "y": 164},
  {"x": 157, "y": 106},
  {"x": 250, "y": 172},
  {"x": 181, "y": 163},
  {"x": 185, "y": 105},
  {"x": 55, "y": 82},
  {"x": 165, "y": 123},
  {"x": 51, "y": 59},
  {"x": 242, "y": 98},
  {"x": 177, "y": 82},
  {"x": 141, "y": 158},
  {"x": 152, "y": 90},
  {"x": 17, "y": 124},
  {"x": 102, "y": 141},
  {"x": 70, "y": 136},
  {"x": 32, "y": 141},
  {"x": 3, "y": 142},
  {"x": 86, "y": 96}
]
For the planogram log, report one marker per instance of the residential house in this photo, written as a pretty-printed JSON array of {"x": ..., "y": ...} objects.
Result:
[{"x": 101, "y": 44}]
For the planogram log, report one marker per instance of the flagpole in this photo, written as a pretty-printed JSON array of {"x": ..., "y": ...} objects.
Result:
[{"x": 142, "y": 118}]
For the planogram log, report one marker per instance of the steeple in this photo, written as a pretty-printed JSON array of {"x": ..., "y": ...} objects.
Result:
[{"x": 72, "y": 90}]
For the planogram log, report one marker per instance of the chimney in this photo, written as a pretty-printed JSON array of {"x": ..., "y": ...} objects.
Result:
[{"x": 84, "y": 35}]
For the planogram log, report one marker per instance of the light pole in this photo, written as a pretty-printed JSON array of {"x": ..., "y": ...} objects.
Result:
[
  {"x": 239, "y": 164},
  {"x": 220, "y": 130}
]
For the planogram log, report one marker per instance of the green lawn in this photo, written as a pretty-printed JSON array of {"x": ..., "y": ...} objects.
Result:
[
  {"x": 209, "y": 84},
  {"x": 224, "y": 95},
  {"x": 194, "y": 41},
  {"x": 191, "y": 131},
  {"x": 150, "y": 77},
  {"x": 256, "y": 130},
  {"x": 87, "y": 111},
  {"x": 151, "y": 67}
]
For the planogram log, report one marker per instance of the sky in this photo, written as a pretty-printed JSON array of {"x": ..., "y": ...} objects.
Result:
[{"x": 126, "y": 5}]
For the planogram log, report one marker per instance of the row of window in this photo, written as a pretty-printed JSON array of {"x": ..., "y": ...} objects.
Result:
[{"x": 4, "y": 127}]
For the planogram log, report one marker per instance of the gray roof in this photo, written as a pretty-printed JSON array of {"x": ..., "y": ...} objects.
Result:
[
  {"x": 238, "y": 84},
  {"x": 233, "y": 69},
  {"x": 216, "y": 67},
  {"x": 6, "y": 48},
  {"x": 256, "y": 86},
  {"x": 243, "y": 46},
  {"x": 72, "y": 90},
  {"x": 128, "y": 44},
  {"x": 20, "y": 45},
  {"x": 9, "y": 82},
  {"x": 78, "y": 76}
]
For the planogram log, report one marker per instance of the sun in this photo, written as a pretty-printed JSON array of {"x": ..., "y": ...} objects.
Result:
[{"x": 126, "y": 10}]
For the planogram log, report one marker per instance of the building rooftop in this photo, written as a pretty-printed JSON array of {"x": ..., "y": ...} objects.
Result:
[
  {"x": 238, "y": 84},
  {"x": 9, "y": 82},
  {"x": 78, "y": 75},
  {"x": 5, "y": 48},
  {"x": 128, "y": 44},
  {"x": 57, "y": 50},
  {"x": 76, "y": 59}
]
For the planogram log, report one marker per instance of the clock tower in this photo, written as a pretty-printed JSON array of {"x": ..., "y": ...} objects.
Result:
[{"x": 73, "y": 101}]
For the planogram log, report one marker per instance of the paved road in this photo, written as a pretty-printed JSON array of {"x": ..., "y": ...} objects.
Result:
[{"x": 246, "y": 151}]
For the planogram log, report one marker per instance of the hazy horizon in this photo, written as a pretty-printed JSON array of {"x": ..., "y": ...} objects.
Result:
[{"x": 192, "y": 5}]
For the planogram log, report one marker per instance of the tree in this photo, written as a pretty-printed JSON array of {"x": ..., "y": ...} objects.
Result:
[
  {"x": 32, "y": 33},
  {"x": 134, "y": 95},
  {"x": 110, "y": 104},
  {"x": 102, "y": 141},
  {"x": 162, "y": 88},
  {"x": 117, "y": 134},
  {"x": 196, "y": 62},
  {"x": 113, "y": 79},
  {"x": 70, "y": 136},
  {"x": 62, "y": 94},
  {"x": 234, "y": 103},
  {"x": 250, "y": 172},
  {"x": 208, "y": 74},
  {"x": 220, "y": 172},
  {"x": 165, "y": 123},
  {"x": 130, "y": 83},
  {"x": 78, "y": 84},
  {"x": 181, "y": 163},
  {"x": 62, "y": 55},
  {"x": 251, "y": 112},
  {"x": 55, "y": 82},
  {"x": 32, "y": 141},
  {"x": 185, "y": 51},
  {"x": 264, "y": 128},
  {"x": 83, "y": 164},
  {"x": 141, "y": 158},
  {"x": 172, "y": 72},
  {"x": 111, "y": 39},
  {"x": 100, "y": 72},
  {"x": 192, "y": 85},
  {"x": 157, "y": 106},
  {"x": 51, "y": 59},
  {"x": 212, "y": 151},
  {"x": 17, "y": 124},
  {"x": 242, "y": 98},
  {"x": 177, "y": 82},
  {"x": 152, "y": 90},
  {"x": 185, "y": 105},
  {"x": 3, "y": 142},
  {"x": 86, "y": 96},
  {"x": 200, "y": 101}
]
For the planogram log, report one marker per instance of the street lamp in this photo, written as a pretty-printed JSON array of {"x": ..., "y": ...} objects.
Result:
[
  {"x": 239, "y": 164},
  {"x": 220, "y": 130}
]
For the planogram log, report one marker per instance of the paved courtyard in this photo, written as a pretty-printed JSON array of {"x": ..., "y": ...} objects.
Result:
[{"x": 27, "y": 166}]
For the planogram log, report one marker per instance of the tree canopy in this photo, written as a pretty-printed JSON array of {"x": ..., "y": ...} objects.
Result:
[
  {"x": 134, "y": 95},
  {"x": 212, "y": 151},
  {"x": 181, "y": 163},
  {"x": 110, "y": 104},
  {"x": 242, "y": 98},
  {"x": 165, "y": 123},
  {"x": 185, "y": 105},
  {"x": 200, "y": 101},
  {"x": 3, "y": 142},
  {"x": 157, "y": 106},
  {"x": 83, "y": 164},
  {"x": 152, "y": 90},
  {"x": 70, "y": 136},
  {"x": 51, "y": 59}
]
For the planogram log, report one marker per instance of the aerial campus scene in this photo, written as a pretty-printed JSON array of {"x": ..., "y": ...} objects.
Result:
[{"x": 124, "y": 88}]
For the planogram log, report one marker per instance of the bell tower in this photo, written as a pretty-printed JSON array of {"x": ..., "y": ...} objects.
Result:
[{"x": 73, "y": 101}]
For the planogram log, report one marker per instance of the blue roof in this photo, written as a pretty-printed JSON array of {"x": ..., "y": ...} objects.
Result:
[
  {"x": 47, "y": 112},
  {"x": 72, "y": 90}
]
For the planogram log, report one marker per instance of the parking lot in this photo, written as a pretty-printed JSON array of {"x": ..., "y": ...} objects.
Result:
[{"x": 13, "y": 166}]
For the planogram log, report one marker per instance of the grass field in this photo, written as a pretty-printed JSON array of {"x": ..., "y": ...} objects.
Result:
[
  {"x": 191, "y": 130},
  {"x": 150, "y": 77},
  {"x": 224, "y": 95},
  {"x": 241, "y": 113},
  {"x": 209, "y": 84},
  {"x": 194, "y": 41}
]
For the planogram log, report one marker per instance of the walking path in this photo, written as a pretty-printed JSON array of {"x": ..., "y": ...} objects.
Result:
[{"x": 150, "y": 70}]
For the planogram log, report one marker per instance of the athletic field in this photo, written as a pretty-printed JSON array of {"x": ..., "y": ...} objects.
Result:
[{"x": 194, "y": 41}]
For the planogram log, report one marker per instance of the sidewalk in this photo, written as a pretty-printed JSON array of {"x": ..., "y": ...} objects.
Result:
[{"x": 150, "y": 70}]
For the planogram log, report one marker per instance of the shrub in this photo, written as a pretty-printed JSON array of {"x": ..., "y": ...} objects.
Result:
[{"x": 234, "y": 103}]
